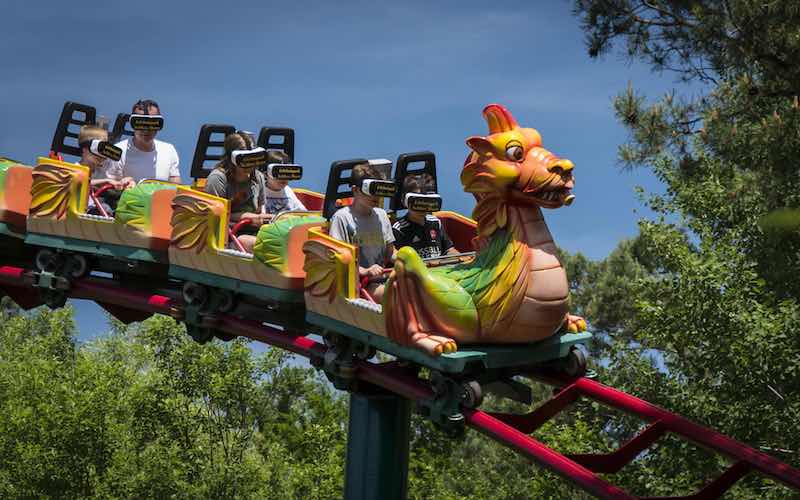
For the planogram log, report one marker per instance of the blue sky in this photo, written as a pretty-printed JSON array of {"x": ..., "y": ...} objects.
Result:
[{"x": 354, "y": 79}]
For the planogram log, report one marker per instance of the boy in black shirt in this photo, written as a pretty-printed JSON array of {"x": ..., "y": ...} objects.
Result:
[{"x": 421, "y": 230}]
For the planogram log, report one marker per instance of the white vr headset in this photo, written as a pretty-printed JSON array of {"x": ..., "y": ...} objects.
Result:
[
  {"x": 423, "y": 202},
  {"x": 146, "y": 123},
  {"x": 378, "y": 187},
  {"x": 249, "y": 158},
  {"x": 285, "y": 171},
  {"x": 103, "y": 148}
]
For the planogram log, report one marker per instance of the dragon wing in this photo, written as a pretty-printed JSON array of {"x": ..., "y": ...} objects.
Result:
[
  {"x": 418, "y": 302},
  {"x": 487, "y": 280},
  {"x": 50, "y": 191},
  {"x": 323, "y": 266},
  {"x": 195, "y": 222}
]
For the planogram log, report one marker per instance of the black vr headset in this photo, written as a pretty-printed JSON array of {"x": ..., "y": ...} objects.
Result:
[
  {"x": 146, "y": 123},
  {"x": 430, "y": 202},
  {"x": 378, "y": 187},
  {"x": 103, "y": 148},
  {"x": 285, "y": 171},
  {"x": 249, "y": 158}
]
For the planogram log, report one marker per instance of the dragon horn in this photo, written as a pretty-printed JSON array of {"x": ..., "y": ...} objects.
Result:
[{"x": 499, "y": 119}]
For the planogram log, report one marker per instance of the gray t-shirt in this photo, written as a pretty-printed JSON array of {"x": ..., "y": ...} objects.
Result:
[
  {"x": 370, "y": 233},
  {"x": 247, "y": 196}
]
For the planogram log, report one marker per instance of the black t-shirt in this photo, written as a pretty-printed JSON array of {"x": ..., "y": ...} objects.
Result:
[{"x": 429, "y": 240}]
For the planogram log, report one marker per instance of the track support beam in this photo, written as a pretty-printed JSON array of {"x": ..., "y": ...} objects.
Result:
[{"x": 377, "y": 446}]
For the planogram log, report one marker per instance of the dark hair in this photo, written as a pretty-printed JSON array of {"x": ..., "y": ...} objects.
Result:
[
  {"x": 145, "y": 105},
  {"x": 277, "y": 156},
  {"x": 420, "y": 183},
  {"x": 234, "y": 141},
  {"x": 364, "y": 171}
]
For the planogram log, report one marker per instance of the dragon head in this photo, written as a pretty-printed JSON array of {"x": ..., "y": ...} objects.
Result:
[{"x": 511, "y": 164}]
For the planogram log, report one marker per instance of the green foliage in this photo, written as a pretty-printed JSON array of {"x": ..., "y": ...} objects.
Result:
[
  {"x": 147, "y": 413},
  {"x": 701, "y": 310}
]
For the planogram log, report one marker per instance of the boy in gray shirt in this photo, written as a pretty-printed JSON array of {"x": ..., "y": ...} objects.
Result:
[{"x": 366, "y": 226}]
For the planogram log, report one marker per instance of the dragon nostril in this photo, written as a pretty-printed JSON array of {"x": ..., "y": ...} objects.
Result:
[{"x": 561, "y": 167}]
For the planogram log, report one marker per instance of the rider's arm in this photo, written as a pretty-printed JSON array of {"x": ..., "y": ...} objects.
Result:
[
  {"x": 174, "y": 171},
  {"x": 446, "y": 245}
]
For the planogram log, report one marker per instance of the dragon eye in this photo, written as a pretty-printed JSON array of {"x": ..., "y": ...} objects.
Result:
[{"x": 515, "y": 152}]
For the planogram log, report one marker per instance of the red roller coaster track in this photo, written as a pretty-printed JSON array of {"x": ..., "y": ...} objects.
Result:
[{"x": 511, "y": 430}]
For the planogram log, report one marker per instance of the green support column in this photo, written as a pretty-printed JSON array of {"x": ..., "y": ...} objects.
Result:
[{"x": 377, "y": 447}]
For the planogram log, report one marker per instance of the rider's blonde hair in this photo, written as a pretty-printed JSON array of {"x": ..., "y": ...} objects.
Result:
[{"x": 91, "y": 132}]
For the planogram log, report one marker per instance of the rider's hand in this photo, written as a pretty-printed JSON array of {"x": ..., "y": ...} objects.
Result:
[
  {"x": 255, "y": 219},
  {"x": 126, "y": 183},
  {"x": 373, "y": 271}
]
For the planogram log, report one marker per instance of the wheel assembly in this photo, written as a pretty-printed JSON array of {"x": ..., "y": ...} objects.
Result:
[
  {"x": 194, "y": 294},
  {"x": 77, "y": 266},
  {"x": 48, "y": 261},
  {"x": 472, "y": 395},
  {"x": 575, "y": 363},
  {"x": 226, "y": 301}
]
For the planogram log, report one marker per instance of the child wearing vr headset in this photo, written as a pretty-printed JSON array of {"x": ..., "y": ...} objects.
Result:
[
  {"x": 366, "y": 226},
  {"x": 419, "y": 228},
  {"x": 279, "y": 197},
  {"x": 237, "y": 178},
  {"x": 143, "y": 156},
  {"x": 95, "y": 151}
]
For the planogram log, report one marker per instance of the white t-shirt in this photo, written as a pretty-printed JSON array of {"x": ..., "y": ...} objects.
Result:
[
  {"x": 281, "y": 200},
  {"x": 160, "y": 163}
]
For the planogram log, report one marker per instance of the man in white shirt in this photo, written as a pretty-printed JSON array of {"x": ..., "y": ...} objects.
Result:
[{"x": 143, "y": 156}]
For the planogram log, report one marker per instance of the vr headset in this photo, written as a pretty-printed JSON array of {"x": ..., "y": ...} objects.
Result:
[
  {"x": 103, "y": 148},
  {"x": 146, "y": 123},
  {"x": 285, "y": 171},
  {"x": 249, "y": 158},
  {"x": 423, "y": 202},
  {"x": 378, "y": 187}
]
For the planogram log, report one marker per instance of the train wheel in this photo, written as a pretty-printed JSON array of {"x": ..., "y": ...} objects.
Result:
[
  {"x": 575, "y": 363},
  {"x": 77, "y": 266},
  {"x": 472, "y": 395},
  {"x": 226, "y": 300},
  {"x": 194, "y": 294},
  {"x": 48, "y": 261}
]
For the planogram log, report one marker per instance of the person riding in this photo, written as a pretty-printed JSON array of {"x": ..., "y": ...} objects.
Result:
[
  {"x": 279, "y": 197},
  {"x": 95, "y": 151},
  {"x": 144, "y": 156},
  {"x": 366, "y": 226},
  {"x": 237, "y": 179},
  {"x": 419, "y": 228}
]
